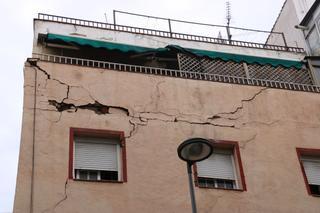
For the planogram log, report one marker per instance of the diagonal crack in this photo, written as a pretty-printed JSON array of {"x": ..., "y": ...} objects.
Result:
[
  {"x": 65, "y": 197},
  {"x": 238, "y": 108},
  {"x": 67, "y": 96},
  {"x": 262, "y": 123},
  {"x": 33, "y": 63},
  {"x": 134, "y": 129},
  {"x": 245, "y": 142},
  {"x": 208, "y": 123}
]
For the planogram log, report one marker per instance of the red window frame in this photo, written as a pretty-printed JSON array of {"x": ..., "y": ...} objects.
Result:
[
  {"x": 307, "y": 152},
  {"x": 233, "y": 145},
  {"x": 102, "y": 134}
]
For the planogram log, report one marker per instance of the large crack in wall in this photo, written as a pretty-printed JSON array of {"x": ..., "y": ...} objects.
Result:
[
  {"x": 141, "y": 118},
  {"x": 59, "y": 202},
  {"x": 97, "y": 107}
]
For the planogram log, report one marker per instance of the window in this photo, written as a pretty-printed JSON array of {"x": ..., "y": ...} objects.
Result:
[
  {"x": 310, "y": 165},
  {"x": 97, "y": 155},
  {"x": 313, "y": 41},
  {"x": 223, "y": 169}
]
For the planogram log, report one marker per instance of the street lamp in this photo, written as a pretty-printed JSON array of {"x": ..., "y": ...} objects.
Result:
[{"x": 193, "y": 150}]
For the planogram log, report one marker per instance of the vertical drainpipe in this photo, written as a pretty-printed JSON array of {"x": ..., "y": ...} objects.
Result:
[{"x": 33, "y": 62}]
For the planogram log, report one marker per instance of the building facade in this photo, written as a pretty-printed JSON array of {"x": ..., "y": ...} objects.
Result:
[
  {"x": 106, "y": 106},
  {"x": 310, "y": 26},
  {"x": 299, "y": 21}
]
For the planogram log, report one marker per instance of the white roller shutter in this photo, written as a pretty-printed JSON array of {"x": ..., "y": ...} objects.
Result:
[
  {"x": 312, "y": 169},
  {"x": 218, "y": 165},
  {"x": 95, "y": 154}
]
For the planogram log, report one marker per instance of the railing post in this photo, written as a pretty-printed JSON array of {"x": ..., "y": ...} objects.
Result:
[
  {"x": 246, "y": 70},
  {"x": 228, "y": 34},
  {"x": 114, "y": 19},
  {"x": 169, "y": 22},
  {"x": 284, "y": 40}
]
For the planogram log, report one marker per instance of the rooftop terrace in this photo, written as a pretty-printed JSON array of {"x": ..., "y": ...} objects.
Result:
[
  {"x": 169, "y": 53},
  {"x": 220, "y": 30}
]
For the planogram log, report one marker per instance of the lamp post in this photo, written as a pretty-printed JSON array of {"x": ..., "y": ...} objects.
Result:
[{"x": 194, "y": 150}]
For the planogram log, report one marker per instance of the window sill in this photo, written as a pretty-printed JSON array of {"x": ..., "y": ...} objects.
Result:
[
  {"x": 314, "y": 195},
  {"x": 238, "y": 190},
  {"x": 99, "y": 181}
]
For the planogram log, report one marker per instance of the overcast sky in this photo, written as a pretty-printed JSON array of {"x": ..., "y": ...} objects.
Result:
[{"x": 16, "y": 45}]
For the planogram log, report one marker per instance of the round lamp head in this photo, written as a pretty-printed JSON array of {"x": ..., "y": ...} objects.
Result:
[{"x": 194, "y": 149}]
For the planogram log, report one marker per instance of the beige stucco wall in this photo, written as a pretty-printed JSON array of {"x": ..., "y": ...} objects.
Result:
[{"x": 268, "y": 124}]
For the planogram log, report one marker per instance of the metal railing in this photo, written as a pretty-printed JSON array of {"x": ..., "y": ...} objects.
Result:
[
  {"x": 166, "y": 34},
  {"x": 222, "y": 28},
  {"x": 243, "y": 69},
  {"x": 177, "y": 73}
]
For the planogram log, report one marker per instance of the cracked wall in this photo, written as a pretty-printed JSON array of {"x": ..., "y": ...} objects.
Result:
[{"x": 157, "y": 113}]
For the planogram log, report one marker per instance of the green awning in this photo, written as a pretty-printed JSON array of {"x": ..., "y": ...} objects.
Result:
[
  {"x": 97, "y": 44},
  {"x": 245, "y": 58},
  {"x": 200, "y": 53}
]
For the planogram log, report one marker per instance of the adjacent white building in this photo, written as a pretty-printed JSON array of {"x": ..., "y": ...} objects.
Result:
[{"x": 299, "y": 22}]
